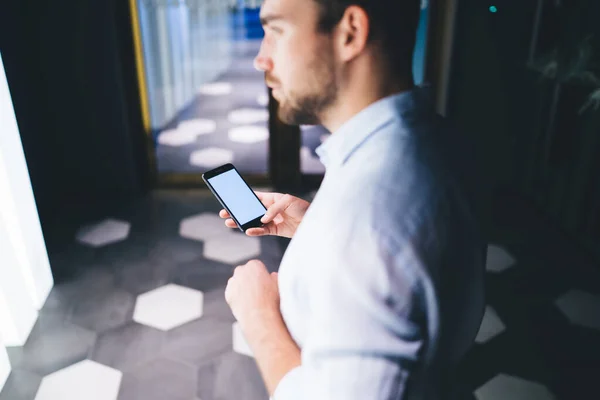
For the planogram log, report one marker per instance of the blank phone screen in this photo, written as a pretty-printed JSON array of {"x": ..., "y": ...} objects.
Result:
[{"x": 238, "y": 197}]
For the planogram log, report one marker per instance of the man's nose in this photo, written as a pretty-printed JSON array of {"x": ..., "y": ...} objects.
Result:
[{"x": 262, "y": 62}]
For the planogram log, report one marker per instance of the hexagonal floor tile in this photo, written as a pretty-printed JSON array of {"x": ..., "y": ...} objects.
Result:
[
  {"x": 233, "y": 367},
  {"x": 105, "y": 311},
  {"x": 216, "y": 89},
  {"x": 503, "y": 387},
  {"x": 240, "y": 345},
  {"x": 310, "y": 164},
  {"x": 203, "y": 227},
  {"x": 53, "y": 344},
  {"x": 491, "y": 326},
  {"x": 248, "y": 116},
  {"x": 211, "y": 157},
  {"x": 199, "y": 341},
  {"x": 176, "y": 137},
  {"x": 129, "y": 346},
  {"x": 84, "y": 380},
  {"x": 197, "y": 126},
  {"x": 103, "y": 233},
  {"x": 249, "y": 134},
  {"x": 168, "y": 307},
  {"x": 21, "y": 385},
  {"x": 263, "y": 99},
  {"x": 498, "y": 259},
  {"x": 232, "y": 249},
  {"x": 581, "y": 308},
  {"x": 160, "y": 379}
]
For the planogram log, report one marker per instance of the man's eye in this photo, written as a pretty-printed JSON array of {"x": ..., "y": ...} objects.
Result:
[{"x": 276, "y": 29}]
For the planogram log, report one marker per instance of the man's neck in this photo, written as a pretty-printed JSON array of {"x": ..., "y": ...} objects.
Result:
[{"x": 353, "y": 100}]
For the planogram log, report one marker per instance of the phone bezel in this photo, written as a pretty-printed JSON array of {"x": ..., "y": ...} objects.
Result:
[{"x": 255, "y": 223}]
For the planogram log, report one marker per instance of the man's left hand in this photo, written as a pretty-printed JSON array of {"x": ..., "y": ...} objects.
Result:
[{"x": 252, "y": 293}]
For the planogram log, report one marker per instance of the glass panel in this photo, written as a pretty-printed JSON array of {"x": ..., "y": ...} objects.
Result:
[
  {"x": 208, "y": 104},
  {"x": 313, "y": 136}
]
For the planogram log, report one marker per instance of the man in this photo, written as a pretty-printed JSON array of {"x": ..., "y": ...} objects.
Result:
[{"x": 379, "y": 294}]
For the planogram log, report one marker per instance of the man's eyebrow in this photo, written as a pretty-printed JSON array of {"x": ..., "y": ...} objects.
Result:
[{"x": 266, "y": 19}]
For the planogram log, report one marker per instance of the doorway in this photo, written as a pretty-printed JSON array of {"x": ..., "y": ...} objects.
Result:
[{"x": 207, "y": 104}]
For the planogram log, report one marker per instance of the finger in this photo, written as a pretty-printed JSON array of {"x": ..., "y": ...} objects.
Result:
[
  {"x": 266, "y": 229},
  {"x": 257, "y": 232},
  {"x": 230, "y": 223},
  {"x": 266, "y": 198},
  {"x": 224, "y": 214},
  {"x": 278, "y": 207}
]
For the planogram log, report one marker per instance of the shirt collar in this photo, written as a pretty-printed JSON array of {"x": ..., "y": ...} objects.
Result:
[{"x": 340, "y": 145}]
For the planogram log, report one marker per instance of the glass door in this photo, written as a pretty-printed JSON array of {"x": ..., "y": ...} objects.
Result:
[{"x": 207, "y": 104}]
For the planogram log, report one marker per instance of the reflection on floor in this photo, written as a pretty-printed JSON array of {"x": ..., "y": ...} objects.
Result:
[
  {"x": 139, "y": 312},
  {"x": 227, "y": 122}
]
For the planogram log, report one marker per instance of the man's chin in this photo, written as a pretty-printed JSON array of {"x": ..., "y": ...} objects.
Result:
[{"x": 292, "y": 117}]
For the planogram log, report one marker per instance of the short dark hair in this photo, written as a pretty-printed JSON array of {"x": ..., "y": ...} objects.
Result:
[{"x": 393, "y": 23}]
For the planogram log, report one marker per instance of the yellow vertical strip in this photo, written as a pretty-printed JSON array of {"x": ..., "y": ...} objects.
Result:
[{"x": 139, "y": 61}]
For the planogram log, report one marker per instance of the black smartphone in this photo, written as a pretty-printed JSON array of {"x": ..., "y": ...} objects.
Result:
[{"x": 236, "y": 196}]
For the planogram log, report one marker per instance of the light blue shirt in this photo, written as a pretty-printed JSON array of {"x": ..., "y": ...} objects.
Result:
[{"x": 382, "y": 285}]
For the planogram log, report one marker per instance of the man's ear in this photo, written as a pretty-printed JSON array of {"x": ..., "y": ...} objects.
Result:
[{"x": 352, "y": 33}]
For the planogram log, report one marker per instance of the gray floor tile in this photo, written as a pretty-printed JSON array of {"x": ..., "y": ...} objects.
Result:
[
  {"x": 244, "y": 372},
  {"x": 21, "y": 385},
  {"x": 141, "y": 276},
  {"x": 216, "y": 307},
  {"x": 105, "y": 311},
  {"x": 129, "y": 346},
  {"x": 177, "y": 250},
  {"x": 54, "y": 343},
  {"x": 207, "y": 377},
  {"x": 130, "y": 250},
  {"x": 93, "y": 280},
  {"x": 202, "y": 274},
  {"x": 199, "y": 341},
  {"x": 159, "y": 379}
]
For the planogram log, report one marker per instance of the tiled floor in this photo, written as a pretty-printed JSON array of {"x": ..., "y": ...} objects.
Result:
[
  {"x": 227, "y": 122},
  {"x": 138, "y": 312}
]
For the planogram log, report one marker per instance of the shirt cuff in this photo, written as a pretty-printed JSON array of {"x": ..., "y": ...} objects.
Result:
[{"x": 289, "y": 386}]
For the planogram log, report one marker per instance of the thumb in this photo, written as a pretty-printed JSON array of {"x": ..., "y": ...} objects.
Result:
[{"x": 274, "y": 275}]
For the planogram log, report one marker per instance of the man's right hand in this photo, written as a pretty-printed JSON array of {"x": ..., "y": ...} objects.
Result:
[{"x": 284, "y": 214}]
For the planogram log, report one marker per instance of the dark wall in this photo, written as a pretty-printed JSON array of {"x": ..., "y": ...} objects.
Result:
[
  {"x": 529, "y": 134},
  {"x": 69, "y": 65}
]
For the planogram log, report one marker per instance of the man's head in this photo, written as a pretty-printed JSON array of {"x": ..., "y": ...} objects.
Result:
[{"x": 314, "y": 51}]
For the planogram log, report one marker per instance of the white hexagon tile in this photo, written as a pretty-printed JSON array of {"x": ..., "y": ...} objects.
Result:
[
  {"x": 248, "y": 134},
  {"x": 240, "y": 345},
  {"x": 197, "y": 126},
  {"x": 168, "y": 307},
  {"x": 506, "y": 387},
  {"x": 581, "y": 308},
  {"x": 498, "y": 259},
  {"x": 491, "y": 326},
  {"x": 216, "y": 89},
  {"x": 103, "y": 233},
  {"x": 203, "y": 227},
  {"x": 211, "y": 157},
  {"x": 85, "y": 380},
  {"x": 176, "y": 138},
  {"x": 248, "y": 116},
  {"x": 232, "y": 249},
  {"x": 186, "y": 132}
]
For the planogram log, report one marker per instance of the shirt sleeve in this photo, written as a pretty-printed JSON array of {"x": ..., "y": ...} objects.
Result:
[{"x": 365, "y": 328}]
